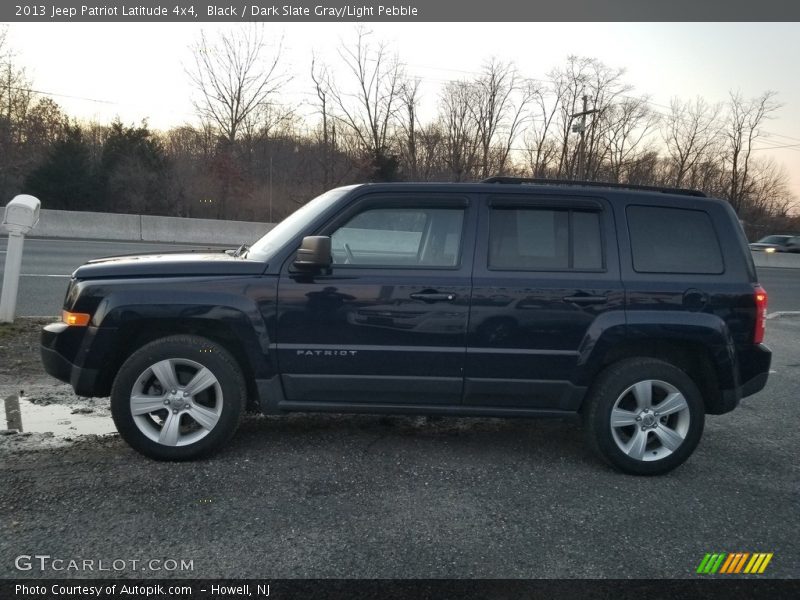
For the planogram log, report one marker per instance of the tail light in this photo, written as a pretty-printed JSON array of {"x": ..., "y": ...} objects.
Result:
[{"x": 761, "y": 314}]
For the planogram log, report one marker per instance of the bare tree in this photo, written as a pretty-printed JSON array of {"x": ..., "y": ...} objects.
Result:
[
  {"x": 645, "y": 169},
  {"x": 191, "y": 151},
  {"x": 605, "y": 89},
  {"x": 690, "y": 132},
  {"x": 430, "y": 150},
  {"x": 769, "y": 187},
  {"x": 499, "y": 106},
  {"x": 409, "y": 124},
  {"x": 369, "y": 111},
  {"x": 16, "y": 100},
  {"x": 627, "y": 125},
  {"x": 540, "y": 147},
  {"x": 602, "y": 85},
  {"x": 322, "y": 88},
  {"x": 462, "y": 138},
  {"x": 235, "y": 78},
  {"x": 743, "y": 128}
]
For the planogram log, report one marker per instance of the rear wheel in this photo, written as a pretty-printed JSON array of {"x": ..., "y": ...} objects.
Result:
[
  {"x": 644, "y": 416},
  {"x": 178, "y": 398}
]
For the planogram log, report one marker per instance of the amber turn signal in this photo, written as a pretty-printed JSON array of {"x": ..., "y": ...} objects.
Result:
[{"x": 76, "y": 319}]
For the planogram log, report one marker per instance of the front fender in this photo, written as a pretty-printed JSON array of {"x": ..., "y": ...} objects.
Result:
[{"x": 240, "y": 309}]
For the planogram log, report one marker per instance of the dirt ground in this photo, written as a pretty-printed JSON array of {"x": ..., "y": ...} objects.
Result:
[
  {"x": 19, "y": 353},
  {"x": 23, "y": 379}
]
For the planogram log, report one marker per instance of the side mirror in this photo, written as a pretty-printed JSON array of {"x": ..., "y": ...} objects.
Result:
[{"x": 314, "y": 254}]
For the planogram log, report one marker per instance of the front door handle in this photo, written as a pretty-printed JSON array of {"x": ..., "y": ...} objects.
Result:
[
  {"x": 433, "y": 297},
  {"x": 586, "y": 299}
]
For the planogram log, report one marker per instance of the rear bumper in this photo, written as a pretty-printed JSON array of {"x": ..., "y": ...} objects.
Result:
[
  {"x": 755, "y": 385},
  {"x": 754, "y": 371},
  {"x": 82, "y": 380}
]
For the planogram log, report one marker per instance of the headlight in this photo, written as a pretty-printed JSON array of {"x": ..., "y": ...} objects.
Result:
[{"x": 769, "y": 249}]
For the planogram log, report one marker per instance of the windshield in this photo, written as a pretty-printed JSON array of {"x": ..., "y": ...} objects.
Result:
[
  {"x": 284, "y": 231},
  {"x": 774, "y": 239}
]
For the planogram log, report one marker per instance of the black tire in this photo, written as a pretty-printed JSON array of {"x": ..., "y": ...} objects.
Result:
[
  {"x": 610, "y": 388},
  {"x": 225, "y": 398}
]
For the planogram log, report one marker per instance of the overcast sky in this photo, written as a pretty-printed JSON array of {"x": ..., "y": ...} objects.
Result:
[{"x": 136, "y": 71}]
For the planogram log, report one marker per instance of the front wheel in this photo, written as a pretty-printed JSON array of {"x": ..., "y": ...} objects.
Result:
[
  {"x": 178, "y": 398},
  {"x": 644, "y": 416}
]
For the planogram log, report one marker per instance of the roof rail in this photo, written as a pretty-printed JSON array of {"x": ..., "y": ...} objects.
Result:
[{"x": 647, "y": 188}]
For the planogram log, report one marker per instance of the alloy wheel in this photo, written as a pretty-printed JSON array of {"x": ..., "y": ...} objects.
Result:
[
  {"x": 650, "y": 420},
  {"x": 176, "y": 402}
]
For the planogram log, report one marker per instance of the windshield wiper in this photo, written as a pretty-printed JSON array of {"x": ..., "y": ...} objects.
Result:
[{"x": 241, "y": 250}]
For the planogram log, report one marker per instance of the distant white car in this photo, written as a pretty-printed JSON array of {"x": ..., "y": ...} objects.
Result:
[{"x": 777, "y": 243}]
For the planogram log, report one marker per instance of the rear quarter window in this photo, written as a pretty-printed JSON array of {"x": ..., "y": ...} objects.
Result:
[{"x": 673, "y": 240}]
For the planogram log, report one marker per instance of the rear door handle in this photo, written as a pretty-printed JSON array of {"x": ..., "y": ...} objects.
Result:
[
  {"x": 433, "y": 297},
  {"x": 586, "y": 299}
]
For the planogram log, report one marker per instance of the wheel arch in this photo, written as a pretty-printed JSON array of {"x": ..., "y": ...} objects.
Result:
[
  {"x": 691, "y": 356},
  {"x": 699, "y": 343},
  {"x": 133, "y": 333}
]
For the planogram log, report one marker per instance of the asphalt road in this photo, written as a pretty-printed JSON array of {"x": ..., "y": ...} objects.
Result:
[
  {"x": 315, "y": 496},
  {"x": 783, "y": 288},
  {"x": 46, "y": 265}
]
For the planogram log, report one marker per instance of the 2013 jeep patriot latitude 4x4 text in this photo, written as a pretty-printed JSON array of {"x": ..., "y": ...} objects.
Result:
[{"x": 637, "y": 308}]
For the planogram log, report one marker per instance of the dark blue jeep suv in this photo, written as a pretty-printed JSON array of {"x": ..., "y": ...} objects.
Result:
[{"x": 636, "y": 308}]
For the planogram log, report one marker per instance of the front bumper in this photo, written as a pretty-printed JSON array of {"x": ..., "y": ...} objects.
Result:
[{"x": 55, "y": 339}]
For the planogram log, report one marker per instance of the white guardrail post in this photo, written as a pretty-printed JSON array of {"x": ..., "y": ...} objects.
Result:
[{"x": 21, "y": 215}]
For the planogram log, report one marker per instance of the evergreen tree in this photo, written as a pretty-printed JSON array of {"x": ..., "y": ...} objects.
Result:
[
  {"x": 133, "y": 170},
  {"x": 65, "y": 180}
]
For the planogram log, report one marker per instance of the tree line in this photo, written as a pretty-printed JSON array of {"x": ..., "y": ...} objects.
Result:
[{"x": 253, "y": 156}]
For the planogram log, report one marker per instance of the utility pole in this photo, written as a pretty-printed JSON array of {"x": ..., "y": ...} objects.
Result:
[{"x": 581, "y": 129}]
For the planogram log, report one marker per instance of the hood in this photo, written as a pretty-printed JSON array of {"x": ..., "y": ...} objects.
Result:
[
  {"x": 761, "y": 245},
  {"x": 186, "y": 264}
]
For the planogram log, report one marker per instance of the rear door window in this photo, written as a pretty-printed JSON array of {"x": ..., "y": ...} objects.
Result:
[{"x": 542, "y": 239}]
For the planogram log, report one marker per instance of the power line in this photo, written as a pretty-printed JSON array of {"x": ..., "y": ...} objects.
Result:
[
  {"x": 796, "y": 146},
  {"x": 780, "y": 135},
  {"x": 57, "y": 95}
]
